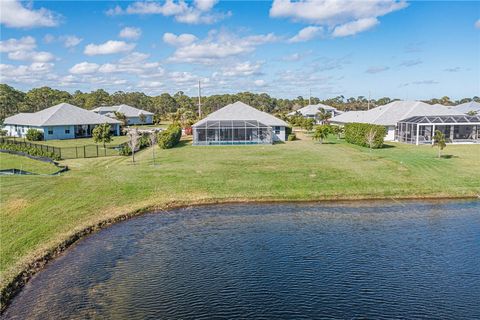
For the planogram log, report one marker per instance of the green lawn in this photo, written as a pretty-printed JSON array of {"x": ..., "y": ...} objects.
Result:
[
  {"x": 82, "y": 142},
  {"x": 10, "y": 161},
  {"x": 38, "y": 213}
]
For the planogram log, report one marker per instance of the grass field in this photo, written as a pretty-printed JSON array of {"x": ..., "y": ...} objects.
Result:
[
  {"x": 10, "y": 161},
  {"x": 39, "y": 212},
  {"x": 82, "y": 142}
]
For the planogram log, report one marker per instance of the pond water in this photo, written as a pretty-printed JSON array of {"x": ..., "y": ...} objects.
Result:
[{"x": 270, "y": 261}]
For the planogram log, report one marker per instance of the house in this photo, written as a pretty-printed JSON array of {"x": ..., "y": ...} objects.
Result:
[
  {"x": 132, "y": 114},
  {"x": 456, "y": 128},
  {"x": 312, "y": 110},
  {"x": 390, "y": 114},
  {"x": 467, "y": 107},
  {"x": 238, "y": 123},
  {"x": 63, "y": 121}
]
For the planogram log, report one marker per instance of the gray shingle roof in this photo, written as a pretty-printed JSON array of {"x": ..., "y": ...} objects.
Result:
[
  {"x": 313, "y": 109},
  {"x": 467, "y": 107},
  {"x": 61, "y": 114},
  {"x": 125, "y": 109},
  {"x": 390, "y": 114},
  {"x": 242, "y": 111}
]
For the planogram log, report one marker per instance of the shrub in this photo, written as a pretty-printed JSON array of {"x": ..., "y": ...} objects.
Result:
[
  {"x": 357, "y": 133},
  {"x": 170, "y": 137},
  {"x": 143, "y": 142},
  {"x": 292, "y": 137},
  {"x": 34, "y": 135},
  {"x": 33, "y": 151},
  {"x": 288, "y": 131},
  {"x": 3, "y": 132}
]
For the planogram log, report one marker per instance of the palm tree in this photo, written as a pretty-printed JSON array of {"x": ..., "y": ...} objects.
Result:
[
  {"x": 323, "y": 116},
  {"x": 439, "y": 141},
  {"x": 321, "y": 133}
]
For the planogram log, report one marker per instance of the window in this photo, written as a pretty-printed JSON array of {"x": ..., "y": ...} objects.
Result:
[
  {"x": 50, "y": 130},
  {"x": 277, "y": 130},
  {"x": 67, "y": 131}
]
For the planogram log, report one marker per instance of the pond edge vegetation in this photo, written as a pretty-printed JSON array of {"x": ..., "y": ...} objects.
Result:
[{"x": 13, "y": 286}]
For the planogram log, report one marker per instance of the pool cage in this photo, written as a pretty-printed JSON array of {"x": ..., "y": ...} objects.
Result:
[
  {"x": 225, "y": 132},
  {"x": 456, "y": 128}
]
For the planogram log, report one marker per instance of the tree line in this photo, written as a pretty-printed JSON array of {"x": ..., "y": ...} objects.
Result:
[{"x": 13, "y": 101}]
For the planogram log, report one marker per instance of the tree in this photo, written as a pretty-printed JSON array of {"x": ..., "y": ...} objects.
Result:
[
  {"x": 439, "y": 141},
  {"x": 308, "y": 124},
  {"x": 370, "y": 138},
  {"x": 472, "y": 113},
  {"x": 34, "y": 135},
  {"x": 321, "y": 133},
  {"x": 122, "y": 118},
  {"x": 102, "y": 134},
  {"x": 338, "y": 130},
  {"x": 143, "y": 118},
  {"x": 324, "y": 116},
  {"x": 133, "y": 139},
  {"x": 153, "y": 142}
]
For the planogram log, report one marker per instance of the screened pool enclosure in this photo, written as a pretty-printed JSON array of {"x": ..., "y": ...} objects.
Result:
[
  {"x": 227, "y": 132},
  {"x": 456, "y": 128}
]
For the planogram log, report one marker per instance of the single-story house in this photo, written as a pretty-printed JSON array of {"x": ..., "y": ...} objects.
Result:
[
  {"x": 63, "y": 121},
  {"x": 390, "y": 114},
  {"x": 132, "y": 114},
  {"x": 467, "y": 107},
  {"x": 456, "y": 128},
  {"x": 312, "y": 110},
  {"x": 238, "y": 123}
]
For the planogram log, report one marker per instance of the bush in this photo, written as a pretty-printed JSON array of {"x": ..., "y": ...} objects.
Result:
[
  {"x": 292, "y": 137},
  {"x": 34, "y": 135},
  {"x": 143, "y": 142},
  {"x": 33, "y": 151},
  {"x": 356, "y": 133},
  {"x": 3, "y": 132},
  {"x": 288, "y": 131},
  {"x": 170, "y": 137}
]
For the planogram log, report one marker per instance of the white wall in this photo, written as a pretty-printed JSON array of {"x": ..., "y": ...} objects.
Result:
[
  {"x": 18, "y": 130},
  {"x": 280, "y": 136},
  {"x": 136, "y": 120},
  {"x": 390, "y": 134}
]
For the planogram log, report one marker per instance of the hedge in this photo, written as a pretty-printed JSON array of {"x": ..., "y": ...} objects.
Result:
[
  {"x": 356, "y": 133},
  {"x": 29, "y": 150},
  {"x": 34, "y": 135},
  {"x": 170, "y": 137}
]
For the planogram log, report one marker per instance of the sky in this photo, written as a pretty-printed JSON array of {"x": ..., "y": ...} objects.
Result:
[{"x": 401, "y": 49}]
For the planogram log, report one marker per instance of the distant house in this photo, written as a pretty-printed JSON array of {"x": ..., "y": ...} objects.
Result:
[
  {"x": 133, "y": 114},
  {"x": 238, "y": 123},
  {"x": 63, "y": 121},
  {"x": 312, "y": 110},
  {"x": 390, "y": 114}
]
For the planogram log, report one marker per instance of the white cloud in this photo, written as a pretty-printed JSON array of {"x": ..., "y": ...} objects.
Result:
[
  {"x": 373, "y": 70},
  {"x": 410, "y": 63},
  {"x": 345, "y": 17},
  {"x": 354, "y": 27},
  {"x": 246, "y": 68},
  {"x": 477, "y": 24},
  {"x": 307, "y": 33},
  {"x": 219, "y": 46},
  {"x": 180, "y": 40},
  {"x": 196, "y": 13},
  {"x": 22, "y": 44},
  {"x": 130, "y": 33},
  {"x": 84, "y": 68},
  {"x": 260, "y": 83},
  {"x": 37, "y": 72},
  {"x": 422, "y": 82},
  {"x": 109, "y": 47},
  {"x": 15, "y": 15},
  {"x": 34, "y": 56},
  {"x": 70, "y": 41}
]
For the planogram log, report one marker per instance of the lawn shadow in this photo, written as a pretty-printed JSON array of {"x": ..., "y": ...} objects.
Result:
[
  {"x": 388, "y": 146},
  {"x": 448, "y": 156},
  {"x": 183, "y": 143}
]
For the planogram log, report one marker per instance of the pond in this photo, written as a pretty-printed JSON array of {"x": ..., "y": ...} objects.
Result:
[{"x": 270, "y": 261}]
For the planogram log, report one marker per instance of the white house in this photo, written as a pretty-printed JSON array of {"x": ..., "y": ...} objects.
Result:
[
  {"x": 390, "y": 114},
  {"x": 467, "y": 107},
  {"x": 312, "y": 110},
  {"x": 133, "y": 114},
  {"x": 63, "y": 121},
  {"x": 238, "y": 123}
]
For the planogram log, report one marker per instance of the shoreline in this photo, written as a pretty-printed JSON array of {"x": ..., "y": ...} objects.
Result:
[{"x": 16, "y": 282}]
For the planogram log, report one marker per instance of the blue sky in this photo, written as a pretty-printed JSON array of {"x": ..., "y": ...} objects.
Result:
[{"x": 406, "y": 50}]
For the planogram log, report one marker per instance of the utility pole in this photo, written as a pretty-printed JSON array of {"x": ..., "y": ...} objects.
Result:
[
  {"x": 310, "y": 97},
  {"x": 199, "y": 100},
  {"x": 368, "y": 103}
]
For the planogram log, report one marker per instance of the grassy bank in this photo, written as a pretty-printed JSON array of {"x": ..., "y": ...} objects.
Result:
[
  {"x": 39, "y": 212},
  {"x": 10, "y": 161}
]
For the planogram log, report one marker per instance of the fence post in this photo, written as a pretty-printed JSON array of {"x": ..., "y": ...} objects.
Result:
[
  {"x": 84, "y": 151},
  {"x": 60, "y": 153},
  {"x": 76, "y": 152},
  {"x": 105, "y": 151},
  {"x": 97, "y": 150}
]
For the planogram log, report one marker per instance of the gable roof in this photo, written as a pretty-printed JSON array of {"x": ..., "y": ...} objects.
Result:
[
  {"x": 61, "y": 114},
  {"x": 127, "y": 110},
  {"x": 391, "y": 113},
  {"x": 242, "y": 111},
  {"x": 467, "y": 107},
  {"x": 313, "y": 109}
]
